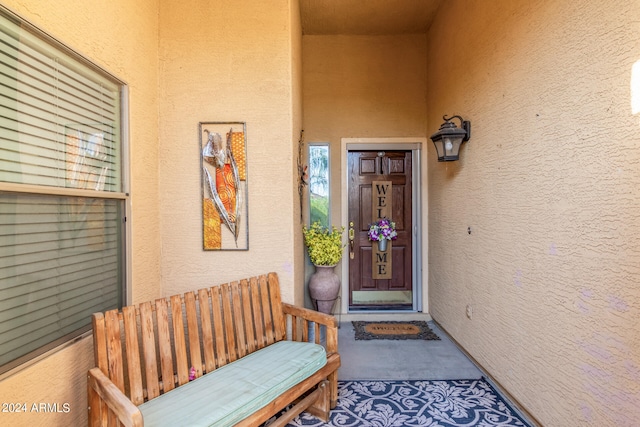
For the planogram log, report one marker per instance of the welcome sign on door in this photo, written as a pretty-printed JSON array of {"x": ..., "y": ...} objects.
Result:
[{"x": 381, "y": 207}]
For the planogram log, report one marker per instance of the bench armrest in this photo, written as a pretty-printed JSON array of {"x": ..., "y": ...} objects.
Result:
[
  {"x": 104, "y": 392},
  {"x": 319, "y": 319},
  {"x": 309, "y": 315}
]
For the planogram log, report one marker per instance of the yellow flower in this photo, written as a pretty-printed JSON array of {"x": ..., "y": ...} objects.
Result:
[{"x": 323, "y": 245}]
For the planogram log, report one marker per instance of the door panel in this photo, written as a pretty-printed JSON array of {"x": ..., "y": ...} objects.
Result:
[{"x": 365, "y": 167}]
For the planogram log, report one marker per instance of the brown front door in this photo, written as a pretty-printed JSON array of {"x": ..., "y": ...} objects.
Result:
[{"x": 371, "y": 175}]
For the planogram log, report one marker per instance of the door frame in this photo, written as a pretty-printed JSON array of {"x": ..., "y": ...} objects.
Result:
[{"x": 419, "y": 259}]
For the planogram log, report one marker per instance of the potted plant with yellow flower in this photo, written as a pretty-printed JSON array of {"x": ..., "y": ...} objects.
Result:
[{"x": 324, "y": 246}]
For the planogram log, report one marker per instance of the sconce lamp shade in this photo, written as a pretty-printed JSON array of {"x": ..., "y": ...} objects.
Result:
[{"x": 449, "y": 138}]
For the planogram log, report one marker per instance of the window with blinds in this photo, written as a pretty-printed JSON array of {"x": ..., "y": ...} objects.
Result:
[{"x": 62, "y": 196}]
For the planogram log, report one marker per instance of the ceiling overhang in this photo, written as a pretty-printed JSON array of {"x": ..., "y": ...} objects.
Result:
[{"x": 370, "y": 17}]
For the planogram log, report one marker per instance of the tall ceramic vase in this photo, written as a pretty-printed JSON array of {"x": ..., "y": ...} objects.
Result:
[{"x": 324, "y": 286}]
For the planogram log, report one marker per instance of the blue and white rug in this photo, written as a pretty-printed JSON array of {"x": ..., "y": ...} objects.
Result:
[{"x": 417, "y": 403}]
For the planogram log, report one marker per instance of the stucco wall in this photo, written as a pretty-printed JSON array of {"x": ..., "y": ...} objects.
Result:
[
  {"x": 296, "y": 109},
  {"x": 229, "y": 61},
  {"x": 362, "y": 87},
  {"x": 550, "y": 186},
  {"x": 215, "y": 64},
  {"x": 103, "y": 32}
]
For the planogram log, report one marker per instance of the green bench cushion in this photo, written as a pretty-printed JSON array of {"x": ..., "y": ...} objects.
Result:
[{"x": 235, "y": 391}]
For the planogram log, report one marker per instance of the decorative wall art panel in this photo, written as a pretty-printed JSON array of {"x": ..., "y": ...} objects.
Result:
[{"x": 223, "y": 155}]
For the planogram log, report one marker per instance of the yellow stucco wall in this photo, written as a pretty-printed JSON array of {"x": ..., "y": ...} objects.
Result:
[
  {"x": 103, "y": 32},
  {"x": 549, "y": 184},
  {"x": 362, "y": 87},
  {"x": 296, "y": 127},
  {"x": 184, "y": 62},
  {"x": 229, "y": 61}
]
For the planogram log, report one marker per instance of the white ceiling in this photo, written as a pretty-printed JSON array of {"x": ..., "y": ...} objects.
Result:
[{"x": 367, "y": 17}]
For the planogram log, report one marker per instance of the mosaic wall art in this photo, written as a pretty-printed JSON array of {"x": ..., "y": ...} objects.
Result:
[{"x": 223, "y": 155}]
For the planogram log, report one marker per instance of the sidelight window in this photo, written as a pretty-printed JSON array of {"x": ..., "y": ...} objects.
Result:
[{"x": 319, "y": 202}]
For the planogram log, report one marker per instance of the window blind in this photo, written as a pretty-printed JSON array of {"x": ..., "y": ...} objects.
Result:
[
  {"x": 58, "y": 118},
  {"x": 59, "y": 262},
  {"x": 61, "y": 255}
]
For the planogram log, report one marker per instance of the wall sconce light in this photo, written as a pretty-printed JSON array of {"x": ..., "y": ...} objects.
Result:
[{"x": 449, "y": 138}]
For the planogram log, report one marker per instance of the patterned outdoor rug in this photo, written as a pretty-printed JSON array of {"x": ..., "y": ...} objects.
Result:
[
  {"x": 412, "y": 330},
  {"x": 417, "y": 403}
]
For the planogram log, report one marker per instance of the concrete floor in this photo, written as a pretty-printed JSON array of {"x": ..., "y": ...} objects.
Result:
[
  {"x": 402, "y": 359},
  {"x": 405, "y": 359}
]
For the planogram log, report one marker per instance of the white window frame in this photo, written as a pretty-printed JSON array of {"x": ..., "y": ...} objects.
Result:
[{"x": 44, "y": 190}]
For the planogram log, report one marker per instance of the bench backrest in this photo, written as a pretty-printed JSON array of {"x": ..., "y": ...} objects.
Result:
[{"x": 150, "y": 348}]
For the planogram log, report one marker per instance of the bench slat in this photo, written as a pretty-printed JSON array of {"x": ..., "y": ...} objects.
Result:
[
  {"x": 294, "y": 329},
  {"x": 207, "y": 331},
  {"x": 195, "y": 354},
  {"x": 276, "y": 307},
  {"x": 132, "y": 351},
  {"x": 266, "y": 310},
  {"x": 164, "y": 345},
  {"x": 98, "y": 408},
  {"x": 99, "y": 342},
  {"x": 241, "y": 341},
  {"x": 114, "y": 349},
  {"x": 305, "y": 330},
  {"x": 180, "y": 344},
  {"x": 149, "y": 350},
  {"x": 228, "y": 323},
  {"x": 257, "y": 313},
  {"x": 248, "y": 316},
  {"x": 216, "y": 309}
]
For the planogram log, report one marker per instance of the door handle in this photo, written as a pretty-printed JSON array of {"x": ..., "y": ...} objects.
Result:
[{"x": 352, "y": 235}]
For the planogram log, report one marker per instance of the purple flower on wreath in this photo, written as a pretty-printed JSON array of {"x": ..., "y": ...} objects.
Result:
[{"x": 383, "y": 229}]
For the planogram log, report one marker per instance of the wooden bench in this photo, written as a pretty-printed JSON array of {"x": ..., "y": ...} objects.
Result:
[{"x": 189, "y": 348}]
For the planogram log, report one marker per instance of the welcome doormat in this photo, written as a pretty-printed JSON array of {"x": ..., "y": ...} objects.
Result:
[{"x": 411, "y": 330}]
